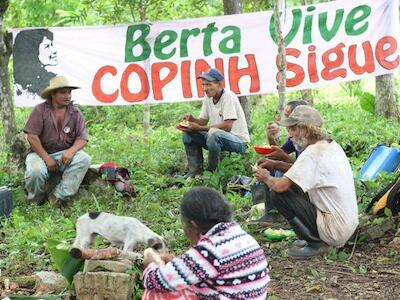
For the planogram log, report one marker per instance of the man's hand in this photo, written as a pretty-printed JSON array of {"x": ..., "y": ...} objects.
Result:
[
  {"x": 262, "y": 174},
  {"x": 187, "y": 117},
  {"x": 279, "y": 154},
  {"x": 67, "y": 157},
  {"x": 51, "y": 164},
  {"x": 272, "y": 133},
  {"x": 267, "y": 163},
  {"x": 195, "y": 127}
]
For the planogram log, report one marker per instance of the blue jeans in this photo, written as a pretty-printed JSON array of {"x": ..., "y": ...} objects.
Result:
[
  {"x": 215, "y": 142},
  {"x": 37, "y": 174}
]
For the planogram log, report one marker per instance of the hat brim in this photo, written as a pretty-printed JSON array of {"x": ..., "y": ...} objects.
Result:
[
  {"x": 207, "y": 77},
  {"x": 287, "y": 122},
  {"x": 46, "y": 93}
]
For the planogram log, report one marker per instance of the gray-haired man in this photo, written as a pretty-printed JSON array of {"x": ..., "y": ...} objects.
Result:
[{"x": 316, "y": 195}]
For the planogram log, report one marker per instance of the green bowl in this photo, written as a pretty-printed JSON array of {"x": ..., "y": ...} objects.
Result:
[{"x": 279, "y": 234}]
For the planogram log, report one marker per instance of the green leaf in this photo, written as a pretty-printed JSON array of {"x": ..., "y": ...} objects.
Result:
[
  {"x": 367, "y": 102},
  {"x": 388, "y": 212},
  {"x": 362, "y": 269},
  {"x": 63, "y": 261},
  {"x": 342, "y": 255}
]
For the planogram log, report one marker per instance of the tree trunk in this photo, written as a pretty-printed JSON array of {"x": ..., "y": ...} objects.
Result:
[
  {"x": 232, "y": 7},
  {"x": 282, "y": 59},
  {"x": 147, "y": 111},
  {"x": 385, "y": 99},
  {"x": 307, "y": 96},
  {"x": 6, "y": 101}
]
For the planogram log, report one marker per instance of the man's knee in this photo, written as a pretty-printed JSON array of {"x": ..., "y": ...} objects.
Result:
[
  {"x": 186, "y": 138},
  {"x": 213, "y": 141},
  {"x": 83, "y": 158},
  {"x": 36, "y": 168}
]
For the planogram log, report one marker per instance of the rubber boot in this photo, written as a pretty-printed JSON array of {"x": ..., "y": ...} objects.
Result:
[
  {"x": 314, "y": 246},
  {"x": 194, "y": 154},
  {"x": 267, "y": 217},
  {"x": 213, "y": 160}
]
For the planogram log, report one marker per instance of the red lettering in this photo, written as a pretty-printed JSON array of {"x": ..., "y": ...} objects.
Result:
[
  {"x": 158, "y": 83},
  {"x": 382, "y": 54},
  {"x": 328, "y": 73},
  {"x": 312, "y": 64},
  {"x": 235, "y": 74},
  {"x": 291, "y": 67},
  {"x": 185, "y": 79},
  {"x": 369, "y": 65},
  {"x": 96, "y": 85},
  {"x": 144, "y": 83}
]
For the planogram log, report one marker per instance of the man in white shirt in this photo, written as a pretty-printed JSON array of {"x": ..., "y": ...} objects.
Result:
[
  {"x": 316, "y": 195},
  {"x": 227, "y": 129}
]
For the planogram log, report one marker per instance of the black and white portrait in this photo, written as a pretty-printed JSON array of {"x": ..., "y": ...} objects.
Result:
[{"x": 34, "y": 58}]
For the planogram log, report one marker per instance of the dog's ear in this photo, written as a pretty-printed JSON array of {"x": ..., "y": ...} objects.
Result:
[{"x": 155, "y": 243}]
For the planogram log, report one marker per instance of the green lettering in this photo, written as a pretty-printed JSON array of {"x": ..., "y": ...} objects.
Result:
[
  {"x": 307, "y": 31},
  {"x": 208, "y": 31},
  {"x": 327, "y": 34},
  {"x": 130, "y": 43},
  {"x": 297, "y": 14},
  {"x": 160, "y": 43},
  {"x": 352, "y": 21},
  {"x": 234, "y": 38},
  {"x": 186, "y": 33}
]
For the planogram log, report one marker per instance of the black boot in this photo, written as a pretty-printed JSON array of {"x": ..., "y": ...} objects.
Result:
[
  {"x": 267, "y": 217},
  {"x": 213, "y": 160},
  {"x": 314, "y": 245},
  {"x": 194, "y": 154}
]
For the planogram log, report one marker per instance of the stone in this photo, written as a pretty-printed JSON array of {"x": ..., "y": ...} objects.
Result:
[
  {"x": 92, "y": 265},
  {"x": 104, "y": 285},
  {"x": 49, "y": 283}
]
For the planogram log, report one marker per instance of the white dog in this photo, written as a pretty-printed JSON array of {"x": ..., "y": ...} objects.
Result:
[{"x": 122, "y": 232}]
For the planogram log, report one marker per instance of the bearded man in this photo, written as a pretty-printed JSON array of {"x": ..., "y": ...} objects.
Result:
[{"x": 316, "y": 195}]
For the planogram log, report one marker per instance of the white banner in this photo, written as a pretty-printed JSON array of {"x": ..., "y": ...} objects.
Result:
[{"x": 159, "y": 62}]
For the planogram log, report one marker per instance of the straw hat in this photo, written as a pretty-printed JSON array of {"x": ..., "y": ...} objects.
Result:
[{"x": 56, "y": 82}]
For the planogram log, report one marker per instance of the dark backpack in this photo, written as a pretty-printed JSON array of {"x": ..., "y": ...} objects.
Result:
[
  {"x": 389, "y": 198},
  {"x": 119, "y": 177}
]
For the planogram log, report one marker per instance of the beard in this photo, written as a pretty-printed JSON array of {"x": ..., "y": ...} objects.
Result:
[{"x": 301, "y": 143}]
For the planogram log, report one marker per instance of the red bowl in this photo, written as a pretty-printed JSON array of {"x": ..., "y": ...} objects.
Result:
[{"x": 264, "y": 149}]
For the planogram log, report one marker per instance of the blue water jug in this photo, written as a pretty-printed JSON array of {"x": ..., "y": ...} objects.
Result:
[{"x": 382, "y": 158}]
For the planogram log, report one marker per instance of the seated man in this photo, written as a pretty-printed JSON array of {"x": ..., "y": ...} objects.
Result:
[
  {"x": 316, "y": 195},
  {"x": 280, "y": 160},
  {"x": 56, "y": 133},
  {"x": 227, "y": 130}
]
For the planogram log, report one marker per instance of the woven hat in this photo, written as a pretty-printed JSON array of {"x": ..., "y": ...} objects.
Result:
[
  {"x": 303, "y": 114},
  {"x": 56, "y": 82}
]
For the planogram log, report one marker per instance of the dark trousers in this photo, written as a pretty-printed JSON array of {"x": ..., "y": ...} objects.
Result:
[{"x": 295, "y": 203}]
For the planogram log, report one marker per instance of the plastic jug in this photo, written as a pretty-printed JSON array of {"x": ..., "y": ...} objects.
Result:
[{"x": 382, "y": 158}]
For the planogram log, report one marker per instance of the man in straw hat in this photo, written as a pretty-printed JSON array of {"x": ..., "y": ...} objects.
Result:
[
  {"x": 57, "y": 134},
  {"x": 316, "y": 195}
]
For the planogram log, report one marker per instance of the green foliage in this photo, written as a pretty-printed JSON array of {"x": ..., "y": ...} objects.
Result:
[{"x": 65, "y": 264}]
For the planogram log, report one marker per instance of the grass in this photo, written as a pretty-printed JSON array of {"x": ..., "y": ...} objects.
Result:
[{"x": 116, "y": 134}]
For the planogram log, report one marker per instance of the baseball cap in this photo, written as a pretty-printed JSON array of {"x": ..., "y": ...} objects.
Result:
[
  {"x": 212, "y": 75},
  {"x": 303, "y": 114}
]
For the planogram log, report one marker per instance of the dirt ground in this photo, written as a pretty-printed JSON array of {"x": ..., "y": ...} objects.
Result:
[{"x": 372, "y": 272}]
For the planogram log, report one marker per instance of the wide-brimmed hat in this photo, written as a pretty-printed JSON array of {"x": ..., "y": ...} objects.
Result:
[
  {"x": 303, "y": 114},
  {"x": 212, "y": 75},
  {"x": 56, "y": 82}
]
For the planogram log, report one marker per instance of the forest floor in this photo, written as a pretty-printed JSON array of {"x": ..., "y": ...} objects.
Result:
[{"x": 368, "y": 270}]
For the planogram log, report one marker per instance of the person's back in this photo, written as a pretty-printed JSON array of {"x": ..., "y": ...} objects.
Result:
[
  {"x": 328, "y": 178},
  {"x": 224, "y": 261}
]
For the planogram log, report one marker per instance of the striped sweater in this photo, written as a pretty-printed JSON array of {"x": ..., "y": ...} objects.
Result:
[{"x": 226, "y": 263}]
